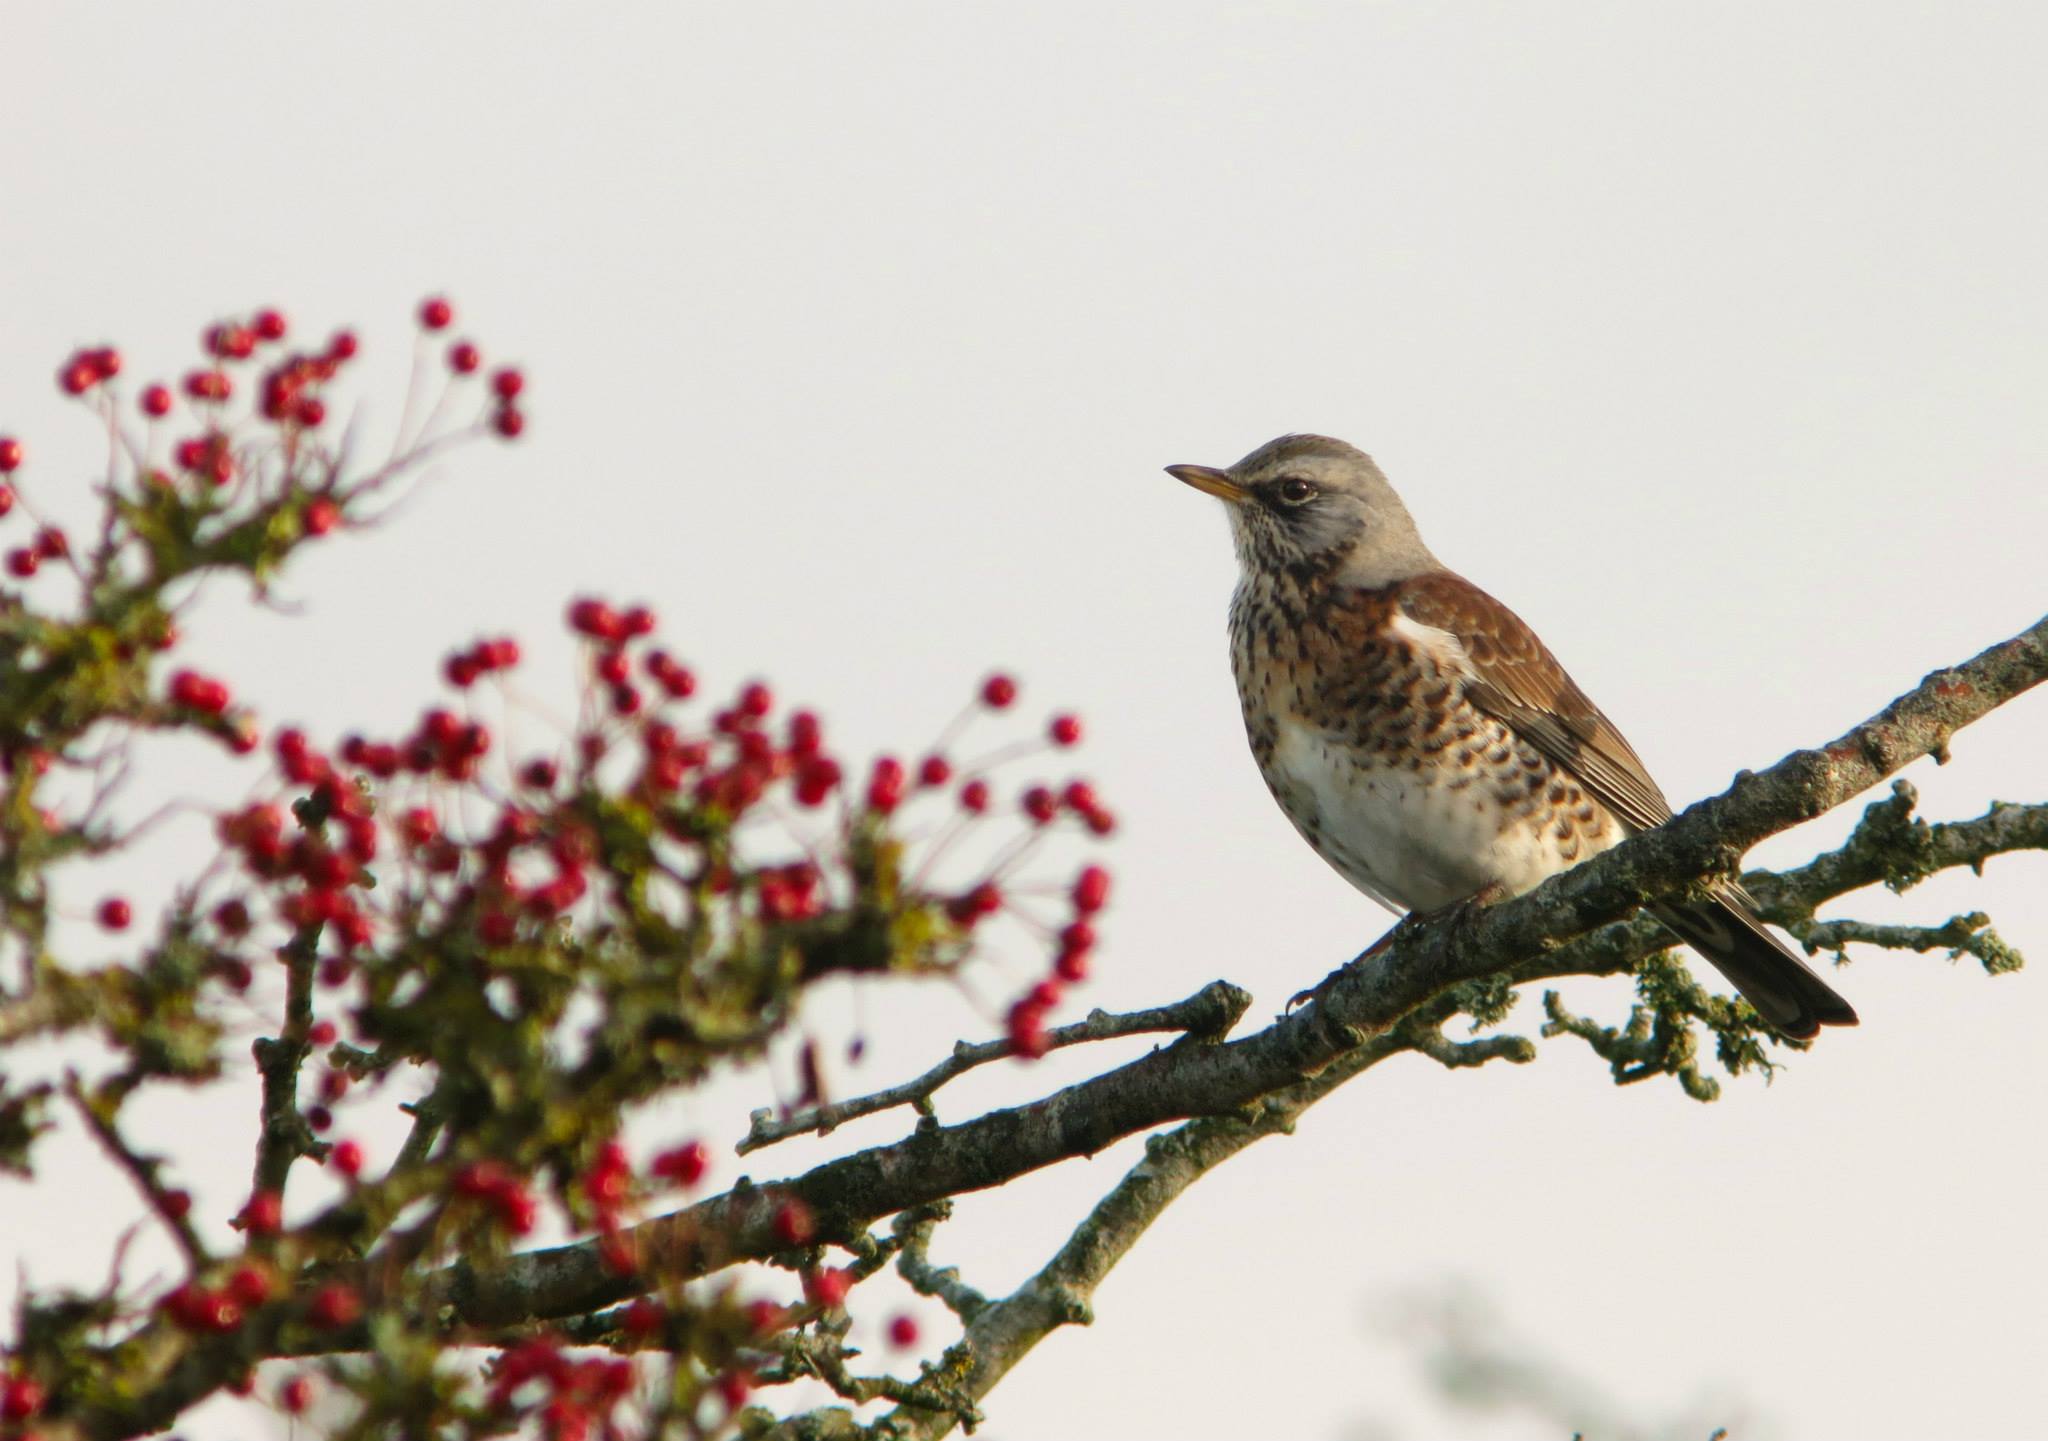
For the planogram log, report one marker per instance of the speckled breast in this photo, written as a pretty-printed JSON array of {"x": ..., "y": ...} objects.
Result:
[{"x": 1369, "y": 744}]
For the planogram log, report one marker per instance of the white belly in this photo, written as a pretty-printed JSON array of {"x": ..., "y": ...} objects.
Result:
[{"x": 1406, "y": 837}]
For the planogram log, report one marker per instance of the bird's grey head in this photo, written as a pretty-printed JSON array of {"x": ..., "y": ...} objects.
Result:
[{"x": 1307, "y": 506}]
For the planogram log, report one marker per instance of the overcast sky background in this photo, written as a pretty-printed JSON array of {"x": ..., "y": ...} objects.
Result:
[{"x": 1711, "y": 338}]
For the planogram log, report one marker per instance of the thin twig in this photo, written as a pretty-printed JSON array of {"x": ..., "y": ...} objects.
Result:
[
  {"x": 99, "y": 1115},
  {"x": 1210, "y": 1011}
]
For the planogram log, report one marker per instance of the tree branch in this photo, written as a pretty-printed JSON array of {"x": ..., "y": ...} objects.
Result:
[
  {"x": 1241, "y": 1090},
  {"x": 1210, "y": 1078},
  {"x": 1211, "y": 1011}
]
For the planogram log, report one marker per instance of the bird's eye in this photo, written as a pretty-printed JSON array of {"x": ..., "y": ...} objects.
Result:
[{"x": 1296, "y": 491}]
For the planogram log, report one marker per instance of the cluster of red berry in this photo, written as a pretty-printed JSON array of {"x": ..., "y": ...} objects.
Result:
[
  {"x": 569, "y": 1397},
  {"x": 500, "y": 863}
]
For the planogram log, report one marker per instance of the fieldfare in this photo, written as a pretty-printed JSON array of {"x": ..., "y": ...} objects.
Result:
[{"x": 1421, "y": 737}]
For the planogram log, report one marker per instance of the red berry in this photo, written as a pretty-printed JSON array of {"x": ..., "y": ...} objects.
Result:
[
  {"x": 323, "y": 1033},
  {"x": 806, "y": 733},
  {"x": 508, "y": 383},
  {"x": 334, "y": 1306},
  {"x": 1027, "y": 1030},
  {"x": 976, "y": 905},
  {"x": 827, "y": 1287},
  {"x": 518, "y": 1212},
  {"x": 885, "y": 785},
  {"x": 1041, "y": 804},
  {"x": 509, "y": 423},
  {"x": 322, "y": 515},
  {"x": 934, "y": 771},
  {"x": 6, "y": 498},
  {"x": 20, "y": 1398},
  {"x": 1077, "y": 942},
  {"x": 229, "y": 342},
  {"x": 597, "y": 620},
  {"x": 685, "y": 1165},
  {"x": 1065, "y": 730},
  {"x": 10, "y": 454},
  {"x": 115, "y": 913},
  {"x": 435, "y": 313},
  {"x": 974, "y": 797},
  {"x": 348, "y": 1158},
  {"x": 343, "y": 345},
  {"x": 998, "y": 691},
  {"x": 756, "y": 700},
  {"x": 212, "y": 385},
  {"x": 1091, "y": 890},
  {"x": 264, "y": 1214},
  {"x": 177, "y": 1204},
  {"x": 250, "y": 1285},
  {"x": 270, "y": 324},
  {"x": 903, "y": 1331},
  {"x": 642, "y": 1317},
  {"x": 51, "y": 543},
  {"x": 677, "y": 679},
  {"x": 309, "y": 411},
  {"x": 815, "y": 779},
  {"x": 295, "y": 1395},
  {"x": 464, "y": 357},
  {"x": 482, "y": 1180},
  {"x": 733, "y": 1388},
  {"x": 156, "y": 401},
  {"x": 764, "y": 1317},
  {"x": 793, "y": 1223},
  {"x": 23, "y": 562},
  {"x": 499, "y": 654}
]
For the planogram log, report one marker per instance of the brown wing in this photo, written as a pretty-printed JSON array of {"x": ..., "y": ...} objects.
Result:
[{"x": 1519, "y": 682}]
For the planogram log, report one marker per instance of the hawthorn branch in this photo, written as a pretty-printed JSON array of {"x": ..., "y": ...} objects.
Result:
[
  {"x": 286, "y": 1136},
  {"x": 1213, "y": 1077},
  {"x": 1212, "y": 1010},
  {"x": 1001, "y": 1334},
  {"x": 1967, "y": 935},
  {"x": 1233, "y": 1092},
  {"x": 913, "y": 1231},
  {"x": 1062, "y": 1292}
]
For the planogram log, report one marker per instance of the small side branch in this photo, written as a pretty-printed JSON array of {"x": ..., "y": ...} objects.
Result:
[
  {"x": 1211, "y": 1011},
  {"x": 99, "y": 1113},
  {"x": 285, "y": 1135},
  {"x": 913, "y": 1231},
  {"x": 1969, "y": 935},
  {"x": 1427, "y": 1038},
  {"x": 823, "y": 1357},
  {"x": 1655, "y": 1042}
]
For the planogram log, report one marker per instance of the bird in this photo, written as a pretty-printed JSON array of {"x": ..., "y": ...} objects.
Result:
[{"x": 1420, "y": 736}]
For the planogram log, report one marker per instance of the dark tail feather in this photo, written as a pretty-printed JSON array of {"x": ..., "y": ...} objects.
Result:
[{"x": 1783, "y": 988}]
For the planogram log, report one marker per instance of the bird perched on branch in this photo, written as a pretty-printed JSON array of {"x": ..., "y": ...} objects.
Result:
[{"x": 1421, "y": 737}]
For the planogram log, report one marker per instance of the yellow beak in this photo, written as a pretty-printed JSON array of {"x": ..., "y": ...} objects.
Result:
[{"x": 1210, "y": 481}]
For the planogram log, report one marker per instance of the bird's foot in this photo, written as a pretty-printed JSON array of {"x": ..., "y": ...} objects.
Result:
[
  {"x": 1317, "y": 991},
  {"x": 1458, "y": 913}
]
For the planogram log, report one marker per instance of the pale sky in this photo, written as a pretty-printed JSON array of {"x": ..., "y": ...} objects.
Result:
[{"x": 1710, "y": 338}]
